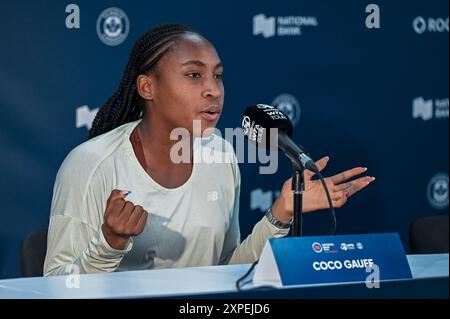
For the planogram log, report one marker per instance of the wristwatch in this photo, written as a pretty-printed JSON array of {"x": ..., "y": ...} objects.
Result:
[{"x": 276, "y": 222}]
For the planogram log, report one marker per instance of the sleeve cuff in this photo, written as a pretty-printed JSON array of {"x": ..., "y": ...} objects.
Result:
[
  {"x": 274, "y": 230},
  {"x": 107, "y": 250}
]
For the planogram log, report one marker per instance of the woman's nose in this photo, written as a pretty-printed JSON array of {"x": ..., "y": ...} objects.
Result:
[{"x": 212, "y": 89}]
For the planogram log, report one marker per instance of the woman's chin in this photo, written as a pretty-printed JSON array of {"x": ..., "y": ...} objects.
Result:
[
  {"x": 201, "y": 128},
  {"x": 206, "y": 129},
  {"x": 207, "y": 132}
]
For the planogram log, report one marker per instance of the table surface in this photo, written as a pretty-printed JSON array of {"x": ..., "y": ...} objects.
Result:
[{"x": 174, "y": 282}]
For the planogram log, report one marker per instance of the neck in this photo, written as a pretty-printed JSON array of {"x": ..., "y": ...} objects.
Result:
[{"x": 155, "y": 138}]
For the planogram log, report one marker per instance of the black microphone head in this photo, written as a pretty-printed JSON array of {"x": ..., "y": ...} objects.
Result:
[{"x": 257, "y": 121}]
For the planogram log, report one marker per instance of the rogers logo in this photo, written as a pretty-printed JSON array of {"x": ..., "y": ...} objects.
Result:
[{"x": 422, "y": 25}]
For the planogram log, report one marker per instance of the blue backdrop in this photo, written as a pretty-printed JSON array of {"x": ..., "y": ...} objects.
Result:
[{"x": 363, "y": 93}]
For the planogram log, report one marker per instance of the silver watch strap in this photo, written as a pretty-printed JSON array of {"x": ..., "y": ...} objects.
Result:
[{"x": 276, "y": 222}]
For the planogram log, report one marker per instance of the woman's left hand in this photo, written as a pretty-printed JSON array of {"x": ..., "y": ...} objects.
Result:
[{"x": 314, "y": 197}]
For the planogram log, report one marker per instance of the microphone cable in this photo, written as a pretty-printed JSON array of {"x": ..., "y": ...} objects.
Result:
[{"x": 330, "y": 203}]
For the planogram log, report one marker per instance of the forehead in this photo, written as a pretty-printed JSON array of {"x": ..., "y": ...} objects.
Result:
[{"x": 191, "y": 46}]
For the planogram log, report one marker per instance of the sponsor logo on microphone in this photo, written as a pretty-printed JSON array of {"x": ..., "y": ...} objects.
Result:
[
  {"x": 273, "y": 112},
  {"x": 254, "y": 132}
]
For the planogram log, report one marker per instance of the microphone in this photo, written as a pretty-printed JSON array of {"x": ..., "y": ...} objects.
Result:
[{"x": 257, "y": 122}]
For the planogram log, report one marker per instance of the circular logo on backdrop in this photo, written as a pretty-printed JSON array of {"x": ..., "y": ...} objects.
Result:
[
  {"x": 113, "y": 26},
  {"x": 437, "y": 191},
  {"x": 419, "y": 25},
  {"x": 289, "y": 105},
  {"x": 317, "y": 247}
]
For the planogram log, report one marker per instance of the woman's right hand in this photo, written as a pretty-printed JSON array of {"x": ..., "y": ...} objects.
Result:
[{"x": 123, "y": 219}]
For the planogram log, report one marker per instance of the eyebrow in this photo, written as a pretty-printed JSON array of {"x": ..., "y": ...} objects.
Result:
[{"x": 201, "y": 64}]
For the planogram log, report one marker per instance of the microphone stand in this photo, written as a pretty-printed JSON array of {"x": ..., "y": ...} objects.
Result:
[{"x": 298, "y": 186}]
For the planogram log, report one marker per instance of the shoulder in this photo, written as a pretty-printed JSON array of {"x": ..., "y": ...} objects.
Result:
[{"x": 82, "y": 162}]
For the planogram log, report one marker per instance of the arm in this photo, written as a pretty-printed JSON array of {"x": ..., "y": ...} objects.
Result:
[
  {"x": 85, "y": 233},
  {"x": 74, "y": 245},
  {"x": 314, "y": 199}
]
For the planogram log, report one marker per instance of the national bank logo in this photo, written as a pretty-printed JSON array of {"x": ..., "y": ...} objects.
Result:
[
  {"x": 422, "y": 109},
  {"x": 429, "y": 109},
  {"x": 264, "y": 26},
  {"x": 282, "y": 25},
  {"x": 262, "y": 200},
  {"x": 422, "y": 25},
  {"x": 113, "y": 26},
  {"x": 85, "y": 117}
]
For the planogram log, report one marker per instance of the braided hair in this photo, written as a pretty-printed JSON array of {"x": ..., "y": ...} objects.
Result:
[{"x": 125, "y": 105}]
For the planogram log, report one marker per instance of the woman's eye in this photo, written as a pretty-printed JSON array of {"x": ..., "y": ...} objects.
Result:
[
  {"x": 194, "y": 75},
  {"x": 219, "y": 76}
]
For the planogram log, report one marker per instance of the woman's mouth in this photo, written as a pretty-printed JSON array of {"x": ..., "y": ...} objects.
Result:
[{"x": 210, "y": 115}]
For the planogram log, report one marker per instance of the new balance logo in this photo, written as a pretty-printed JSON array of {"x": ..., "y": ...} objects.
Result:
[{"x": 212, "y": 196}]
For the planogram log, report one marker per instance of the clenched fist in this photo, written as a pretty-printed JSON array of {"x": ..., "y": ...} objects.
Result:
[{"x": 123, "y": 219}]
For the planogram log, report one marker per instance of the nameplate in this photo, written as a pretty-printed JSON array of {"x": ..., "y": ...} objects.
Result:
[{"x": 332, "y": 259}]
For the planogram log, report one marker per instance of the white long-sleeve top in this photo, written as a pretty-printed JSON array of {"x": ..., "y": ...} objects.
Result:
[{"x": 195, "y": 224}]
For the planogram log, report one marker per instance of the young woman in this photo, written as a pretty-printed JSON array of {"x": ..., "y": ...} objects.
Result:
[{"x": 169, "y": 219}]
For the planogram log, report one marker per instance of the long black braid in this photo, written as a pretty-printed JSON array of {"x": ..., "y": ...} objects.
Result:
[{"x": 125, "y": 105}]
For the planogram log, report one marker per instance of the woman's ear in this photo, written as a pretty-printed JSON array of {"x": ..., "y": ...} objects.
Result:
[{"x": 144, "y": 85}]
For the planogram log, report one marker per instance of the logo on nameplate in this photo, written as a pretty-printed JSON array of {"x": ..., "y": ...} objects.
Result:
[
  {"x": 346, "y": 247},
  {"x": 317, "y": 247},
  {"x": 324, "y": 247}
]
